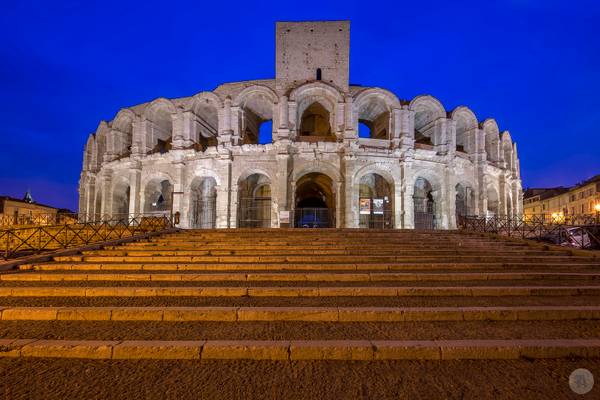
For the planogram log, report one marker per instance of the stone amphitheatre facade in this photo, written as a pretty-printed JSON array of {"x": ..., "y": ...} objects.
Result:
[{"x": 338, "y": 155}]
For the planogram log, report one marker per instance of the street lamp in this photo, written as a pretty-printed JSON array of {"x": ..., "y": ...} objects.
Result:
[{"x": 597, "y": 207}]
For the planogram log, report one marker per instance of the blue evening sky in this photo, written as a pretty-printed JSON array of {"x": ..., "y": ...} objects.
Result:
[{"x": 534, "y": 65}]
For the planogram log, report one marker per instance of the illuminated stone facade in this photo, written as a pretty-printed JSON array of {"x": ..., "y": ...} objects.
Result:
[{"x": 200, "y": 156}]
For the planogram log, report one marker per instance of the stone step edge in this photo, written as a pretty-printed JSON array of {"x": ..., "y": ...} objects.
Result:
[
  {"x": 277, "y": 276},
  {"x": 364, "y": 350},
  {"x": 290, "y": 291},
  {"x": 313, "y": 266},
  {"x": 307, "y": 314}
]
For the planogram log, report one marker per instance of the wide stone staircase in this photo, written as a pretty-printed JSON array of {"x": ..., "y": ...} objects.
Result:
[{"x": 286, "y": 294}]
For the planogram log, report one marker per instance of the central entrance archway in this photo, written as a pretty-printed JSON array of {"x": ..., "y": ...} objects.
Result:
[{"x": 315, "y": 202}]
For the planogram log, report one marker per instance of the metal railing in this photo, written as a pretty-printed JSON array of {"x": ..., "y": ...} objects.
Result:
[
  {"x": 571, "y": 232},
  {"x": 313, "y": 217},
  {"x": 36, "y": 219},
  {"x": 384, "y": 220},
  {"x": 254, "y": 212},
  {"x": 22, "y": 241}
]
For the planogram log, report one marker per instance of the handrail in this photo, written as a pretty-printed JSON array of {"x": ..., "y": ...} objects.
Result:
[
  {"x": 573, "y": 232},
  {"x": 16, "y": 242}
]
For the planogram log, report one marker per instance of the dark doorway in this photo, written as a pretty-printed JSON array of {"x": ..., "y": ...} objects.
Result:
[{"x": 315, "y": 205}]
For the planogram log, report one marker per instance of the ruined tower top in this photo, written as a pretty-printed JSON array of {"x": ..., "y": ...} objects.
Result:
[{"x": 311, "y": 51}]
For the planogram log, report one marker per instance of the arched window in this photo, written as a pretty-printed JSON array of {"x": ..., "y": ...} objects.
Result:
[
  {"x": 315, "y": 123},
  {"x": 319, "y": 74}
]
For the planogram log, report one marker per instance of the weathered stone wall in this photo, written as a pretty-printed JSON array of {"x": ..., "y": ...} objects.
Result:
[{"x": 157, "y": 153}]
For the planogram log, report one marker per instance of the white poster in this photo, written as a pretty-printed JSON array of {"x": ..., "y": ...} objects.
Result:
[
  {"x": 284, "y": 217},
  {"x": 378, "y": 206}
]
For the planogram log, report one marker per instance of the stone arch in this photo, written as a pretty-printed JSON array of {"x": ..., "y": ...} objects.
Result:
[
  {"x": 257, "y": 106},
  {"x": 427, "y": 200},
  {"x": 324, "y": 100},
  {"x": 375, "y": 197},
  {"x": 314, "y": 201},
  {"x": 159, "y": 118},
  {"x": 203, "y": 202},
  {"x": 318, "y": 166},
  {"x": 492, "y": 139},
  {"x": 254, "y": 200},
  {"x": 88, "y": 153},
  {"x": 102, "y": 133},
  {"x": 427, "y": 111},
  {"x": 150, "y": 192},
  {"x": 493, "y": 200},
  {"x": 120, "y": 199},
  {"x": 507, "y": 150},
  {"x": 121, "y": 134},
  {"x": 98, "y": 203},
  {"x": 206, "y": 107},
  {"x": 374, "y": 109},
  {"x": 466, "y": 126}
]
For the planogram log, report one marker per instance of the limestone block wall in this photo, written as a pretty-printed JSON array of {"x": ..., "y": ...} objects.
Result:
[{"x": 170, "y": 156}]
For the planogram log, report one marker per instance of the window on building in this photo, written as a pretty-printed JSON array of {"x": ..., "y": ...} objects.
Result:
[{"x": 318, "y": 74}]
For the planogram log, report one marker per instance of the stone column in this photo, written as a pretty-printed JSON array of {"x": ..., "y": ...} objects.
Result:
[
  {"x": 408, "y": 190},
  {"x": 351, "y": 209},
  {"x": 283, "y": 132},
  {"x": 406, "y": 128},
  {"x": 135, "y": 191},
  {"x": 178, "y": 186},
  {"x": 339, "y": 205},
  {"x": 106, "y": 206},
  {"x": 397, "y": 201}
]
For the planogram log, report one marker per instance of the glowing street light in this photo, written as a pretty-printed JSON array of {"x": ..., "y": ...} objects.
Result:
[{"x": 597, "y": 207}]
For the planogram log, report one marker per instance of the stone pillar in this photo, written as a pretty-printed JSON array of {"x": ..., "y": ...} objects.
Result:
[
  {"x": 106, "y": 206},
  {"x": 293, "y": 119},
  {"x": 406, "y": 128},
  {"x": 338, "y": 203},
  {"x": 135, "y": 191},
  {"x": 279, "y": 188},
  {"x": 178, "y": 186},
  {"x": 350, "y": 121},
  {"x": 339, "y": 123},
  {"x": 282, "y": 128},
  {"x": 502, "y": 196},
  {"x": 351, "y": 210},
  {"x": 450, "y": 180},
  {"x": 397, "y": 202},
  {"x": 408, "y": 190},
  {"x": 228, "y": 124}
]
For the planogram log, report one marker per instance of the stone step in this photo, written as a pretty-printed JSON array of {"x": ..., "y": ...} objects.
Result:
[
  {"x": 232, "y": 267},
  {"x": 321, "y": 314},
  {"x": 303, "y": 349},
  {"x": 306, "y": 291},
  {"x": 328, "y": 259},
  {"x": 327, "y": 301},
  {"x": 340, "y": 276},
  {"x": 256, "y": 252}
]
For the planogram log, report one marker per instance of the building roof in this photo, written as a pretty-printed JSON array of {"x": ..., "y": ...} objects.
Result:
[
  {"x": 4, "y": 198},
  {"x": 544, "y": 193}
]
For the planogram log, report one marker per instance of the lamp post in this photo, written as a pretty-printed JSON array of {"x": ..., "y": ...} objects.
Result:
[{"x": 597, "y": 207}]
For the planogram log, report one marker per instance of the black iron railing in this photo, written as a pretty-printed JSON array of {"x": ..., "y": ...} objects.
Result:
[
  {"x": 254, "y": 212},
  {"x": 22, "y": 241},
  {"x": 580, "y": 232},
  {"x": 313, "y": 217},
  {"x": 382, "y": 220}
]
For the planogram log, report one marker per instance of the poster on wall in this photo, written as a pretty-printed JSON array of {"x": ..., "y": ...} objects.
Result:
[
  {"x": 378, "y": 206},
  {"x": 364, "y": 206},
  {"x": 284, "y": 217}
]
